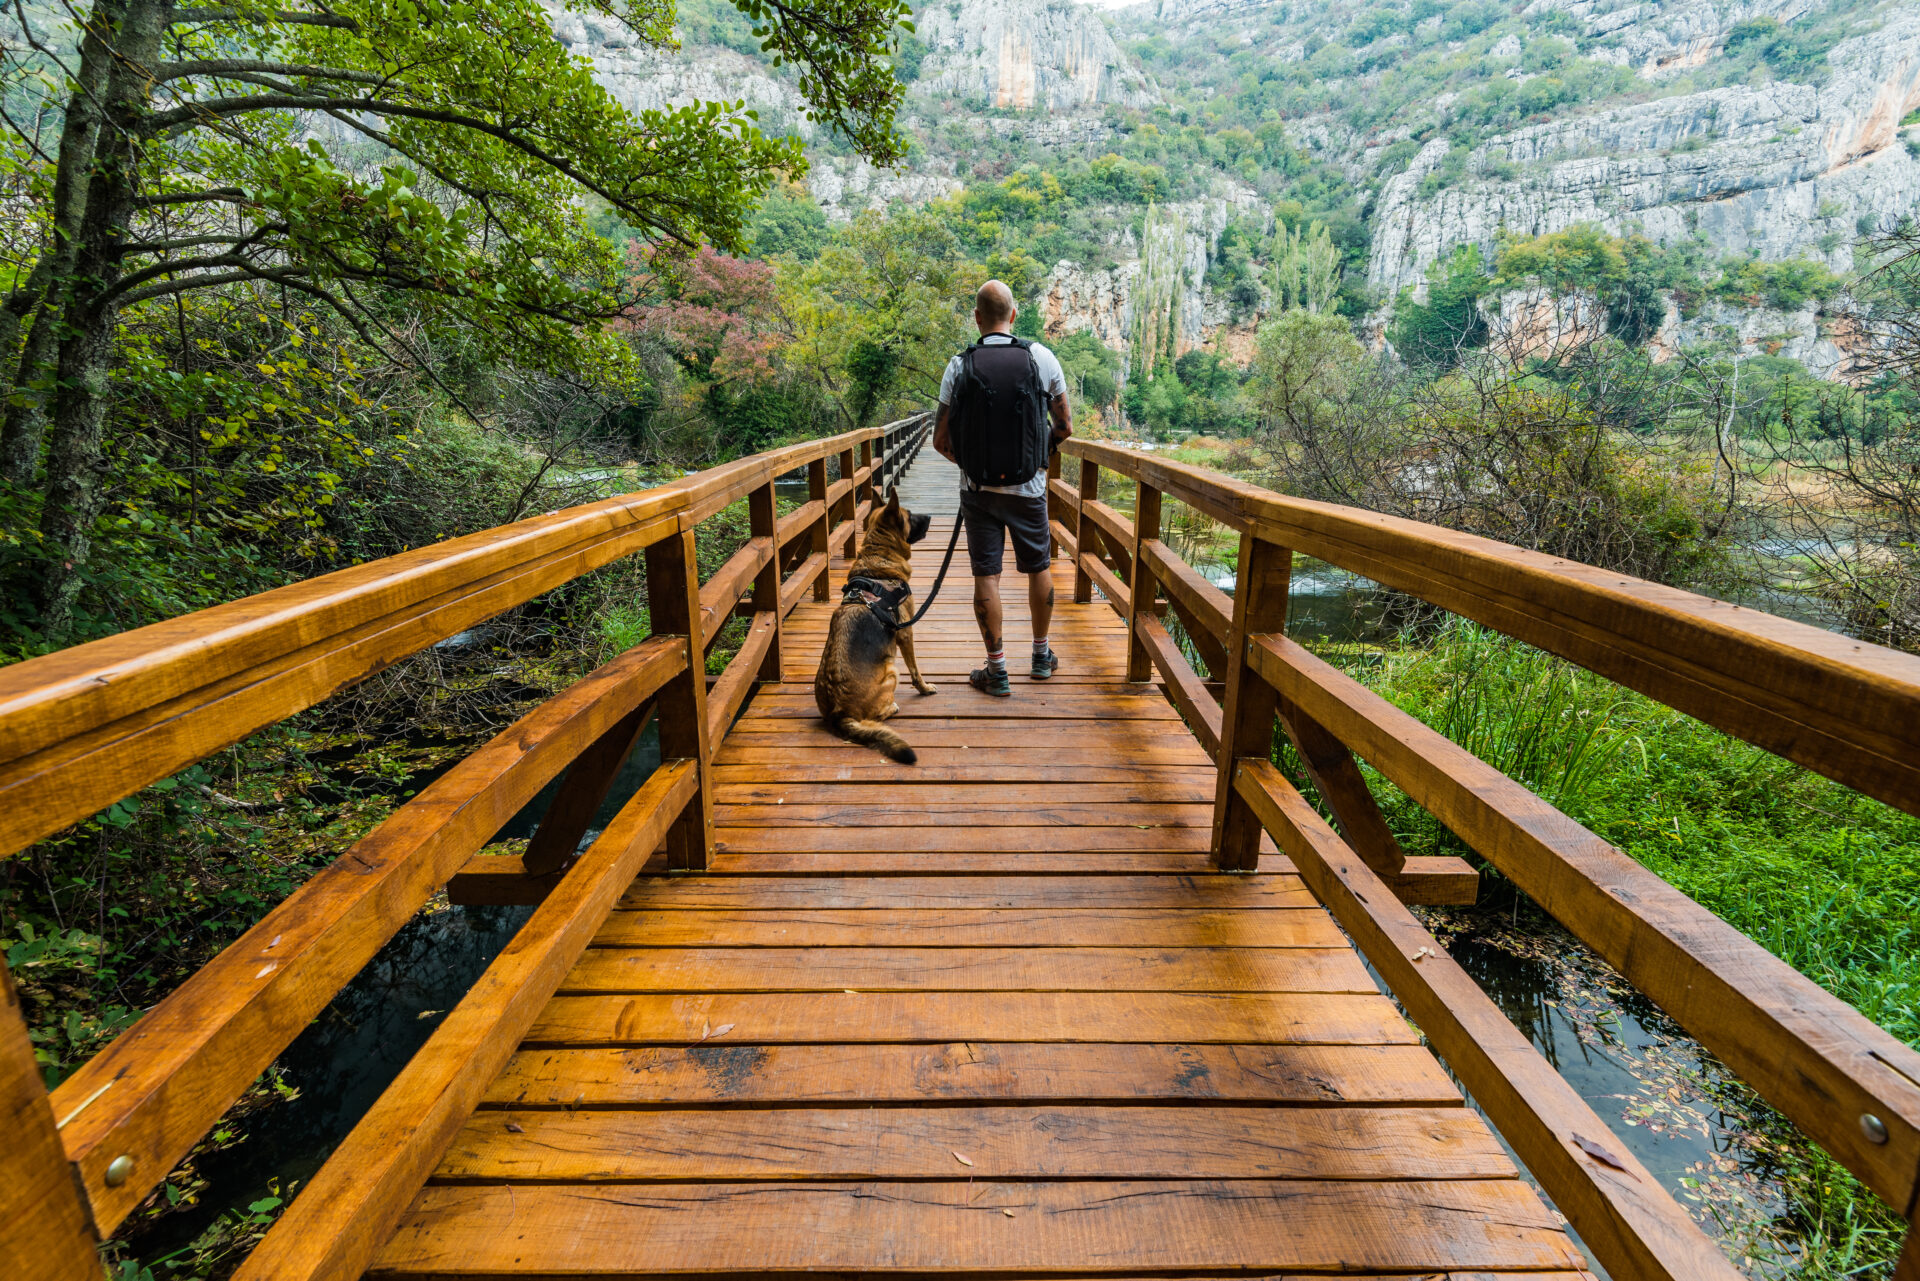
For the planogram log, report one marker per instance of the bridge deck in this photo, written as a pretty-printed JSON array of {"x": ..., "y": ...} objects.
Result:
[{"x": 988, "y": 1014}]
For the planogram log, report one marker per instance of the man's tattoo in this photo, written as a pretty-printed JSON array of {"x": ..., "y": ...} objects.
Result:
[
  {"x": 980, "y": 613},
  {"x": 1049, "y": 595}
]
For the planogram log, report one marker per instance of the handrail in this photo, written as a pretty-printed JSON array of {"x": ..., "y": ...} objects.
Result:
[
  {"x": 1844, "y": 708},
  {"x": 85, "y": 727}
]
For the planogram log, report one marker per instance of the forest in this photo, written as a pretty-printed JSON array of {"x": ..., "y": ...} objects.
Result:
[{"x": 285, "y": 291}]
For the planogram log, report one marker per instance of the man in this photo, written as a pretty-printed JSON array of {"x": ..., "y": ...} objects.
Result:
[{"x": 1003, "y": 408}]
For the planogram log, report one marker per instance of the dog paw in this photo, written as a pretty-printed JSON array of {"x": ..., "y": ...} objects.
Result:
[{"x": 927, "y": 691}]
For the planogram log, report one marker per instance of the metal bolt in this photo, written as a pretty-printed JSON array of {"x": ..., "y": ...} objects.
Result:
[
  {"x": 118, "y": 1171},
  {"x": 1873, "y": 1127}
]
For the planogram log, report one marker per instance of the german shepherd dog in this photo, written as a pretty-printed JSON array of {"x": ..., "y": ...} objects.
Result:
[{"x": 855, "y": 684}]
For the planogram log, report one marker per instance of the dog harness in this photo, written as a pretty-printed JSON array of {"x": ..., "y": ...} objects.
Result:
[{"x": 882, "y": 602}]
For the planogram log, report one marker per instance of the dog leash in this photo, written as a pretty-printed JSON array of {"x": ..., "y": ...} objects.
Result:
[{"x": 887, "y": 620}]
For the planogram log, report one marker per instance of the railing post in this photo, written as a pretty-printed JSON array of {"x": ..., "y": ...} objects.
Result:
[
  {"x": 863, "y": 492},
  {"x": 1143, "y": 590},
  {"x": 1264, "y": 573},
  {"x": 1907, "y": 1268},
  {"x": 1083, "y": 531},
  {"x": 763, "y": 521},
  {"x": 848, "y": 504},
  {"x": 1054, "y": 512},
  {"x": 673, "y": 603},
  {"x": 822, "y": 525},
  {"x": 45, "y": 1229}
]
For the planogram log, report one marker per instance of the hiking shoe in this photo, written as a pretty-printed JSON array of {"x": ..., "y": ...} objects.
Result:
[
  {"x": 1045, "y": 665},
  {"x": 988, "y": 681}
]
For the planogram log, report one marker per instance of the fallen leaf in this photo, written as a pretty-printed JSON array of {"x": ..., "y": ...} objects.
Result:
[
  {"x": 722, "y": 1030},
  {"x": 513, "y": 1127},
  {"x": 1422, "y": 954},
  {"x": 1008, "y": 1213},
  {"x": 427, "y": 1014},
  {"x": 962, "y": 1160},
  {"x": 1600, "y": 1154}
]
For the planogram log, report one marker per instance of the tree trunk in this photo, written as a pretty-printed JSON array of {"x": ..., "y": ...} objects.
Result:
[
  {"x": 25, "y": 424},
  {"x": 75, "y": 488}
]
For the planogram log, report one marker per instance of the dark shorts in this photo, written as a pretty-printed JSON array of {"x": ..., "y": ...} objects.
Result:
[{"x": 990, "y": 518}]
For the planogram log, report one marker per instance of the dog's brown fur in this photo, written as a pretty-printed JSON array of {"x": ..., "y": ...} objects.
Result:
[{"x": 855, "y": 685}]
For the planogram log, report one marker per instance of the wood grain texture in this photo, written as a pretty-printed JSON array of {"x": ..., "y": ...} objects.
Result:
[
  {"x": 1807, "y": 1052},
  {"x": 964, "y": 928},
  {"x": 786, "y": 893},
  {"x": 1009, "y": 1072},
  {"x": 1189, "y": 695},
  {"x": 748, "y": 1227},
  {"x": 1616, "y": 1204},
  {"x": 333, "y": 1228},
  {"x": 1107, "y": 1017},
  {"x": 1021, "y": 1143},
  {"x": 175, "y": 1071},
  {"x": 45, "y": 1231},
  {"x": 1264, "y": 576},
  {"x": 936, "y": 969}
]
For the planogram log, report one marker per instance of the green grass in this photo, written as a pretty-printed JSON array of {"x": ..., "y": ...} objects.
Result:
[{"x": 1824, "y": 878}]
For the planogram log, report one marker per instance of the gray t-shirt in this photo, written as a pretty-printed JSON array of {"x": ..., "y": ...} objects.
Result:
[{"x": 1052, "y": 377}]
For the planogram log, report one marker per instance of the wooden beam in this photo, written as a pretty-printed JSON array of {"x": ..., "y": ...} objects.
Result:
[
  {"x": 798, "y": 521},
  {"x": 763, "y": 520},
  {"x": 1109, "y": 583},
  {"x": 163, "y": 1082},
  {"x": 1063, "y": 539},
  {"x": 1617, "y": 1205},
  {"x": 810, "y": 570},
  {"x": 1211, "y": 608},
  {"x": 1116, "y": 531},
  {"x": 731, "y": 581},
  {"x": 1338, "y": 779},
  {"x": 45, "y": 1232},
  {"x": 346, "y": 1212},
  {"x": 581, "y": 791},
  {"x": 726, "y": 698},
  {"x": 1143, "y": 590},
  {"x": 1808, "y": 1053},
  {"x": 1089, "y": 491},
  {"x": 1199, "y": 710},
  {"x": 820, "y": 544},
  {"x": 1259, "y": 605},
  {"x": 673, "y": 599}
]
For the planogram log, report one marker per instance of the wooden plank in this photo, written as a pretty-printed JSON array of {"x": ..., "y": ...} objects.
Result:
[
  {"x": 731, "y": 581},
  {"x": 821, "y": 543},
  {"x": 1025, "y": 1143},
  {"x": 996, "y": 840},
  {"x": 1104, "y": 578},
  {"x": 726, "y": 698},
  {"x": 789, "y": 1017},
  {"x": 908, "y": 812},
  {"x": 1259, "y": 606},
  {"x": 332, "y": 1230},
  {"x": 1617, "y": 1205},
  {"x": 923, "y": 1227},
  {"x": 1052, "y": 704},
  {"x": 1038, "y": 860},
  {"x": 782, "y": 893},
  {"x": 1063, "y": 539},
  {"x": 929, "y": 969},
  {"x": 1206, "y": 604},
  {"x": 967, "y": 928},
  {"x": 160, "y": 1084},
  {"x": 1202, "y": 714},
  {"x": 1189, "y": 787},
  {"x": 1143, "y": 592},
  {"x": 582, "y": 789},
  {"x": 1338, "y": 779},
  {"x": 746, "y": 760},
  {"x": 1006, "y": 1073},
  {"x": 797, "y": 522},
  {"x": 1116, "y": 532},
  {"x": 1176, "y": 747},
  {"x": 96, "y": 764},
  {"x": 1807, "y": 1052},
  {"x": 45, "y": 1232}
]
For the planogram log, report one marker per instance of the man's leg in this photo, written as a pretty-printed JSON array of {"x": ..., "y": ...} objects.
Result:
[
  {"x": 986, "y": 611},
  {"x": 1040, "y": 602}
]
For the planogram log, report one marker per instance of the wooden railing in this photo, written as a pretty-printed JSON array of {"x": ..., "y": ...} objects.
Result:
[
  {"x": 1844, "y": 708},
  {"x": 83, "y": 728}
]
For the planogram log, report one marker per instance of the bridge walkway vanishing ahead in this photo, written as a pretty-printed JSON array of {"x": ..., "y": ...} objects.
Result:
[
  {"x": 1080, "y": 994},
  {"x": 991, "y": 1013}
]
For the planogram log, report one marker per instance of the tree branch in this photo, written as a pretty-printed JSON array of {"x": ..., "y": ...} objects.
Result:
[
  {"x": 181, "y": 16},
  {"x": 235, "y": 67}
]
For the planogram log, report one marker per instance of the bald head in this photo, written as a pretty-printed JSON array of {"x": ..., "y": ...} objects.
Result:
[{"x": 993, "y": 307}]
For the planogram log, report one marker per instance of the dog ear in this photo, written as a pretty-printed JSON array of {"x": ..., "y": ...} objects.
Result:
[{"x": 893, "y": 499}]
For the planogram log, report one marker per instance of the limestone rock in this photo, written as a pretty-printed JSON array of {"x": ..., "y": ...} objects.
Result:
[
  {"x": 1026, "y": 55},
  {"x": 1780, "y": 170}
]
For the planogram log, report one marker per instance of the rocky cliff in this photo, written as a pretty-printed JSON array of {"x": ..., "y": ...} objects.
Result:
[
  {"x": 1025, "y": 55},
  {"x": 1779, "y": 170}
]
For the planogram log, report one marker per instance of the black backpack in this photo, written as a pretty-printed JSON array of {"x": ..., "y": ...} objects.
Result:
[{"x": 1001, "y": 433}]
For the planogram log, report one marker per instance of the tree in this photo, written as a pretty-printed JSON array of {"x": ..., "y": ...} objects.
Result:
[
  {"x": 1306, "y": 268},
  {"x": 1301, "y": 362},
  {"x": 1435, "y": 334},
  {"x": 462, "y": 140}
]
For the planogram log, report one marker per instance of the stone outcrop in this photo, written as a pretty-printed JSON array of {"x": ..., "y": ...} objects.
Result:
[
  {"x": 1780, "y": 170},
  {"x": 1026, "y": 55},
  {"x": 843, "y": 187}
]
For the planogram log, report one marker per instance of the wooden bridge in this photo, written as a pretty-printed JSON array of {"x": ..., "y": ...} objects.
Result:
[{"x": 1080, "y": 994}]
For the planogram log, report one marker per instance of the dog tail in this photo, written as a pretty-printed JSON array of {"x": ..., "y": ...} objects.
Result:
[{"x": 877, "y": 736}]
